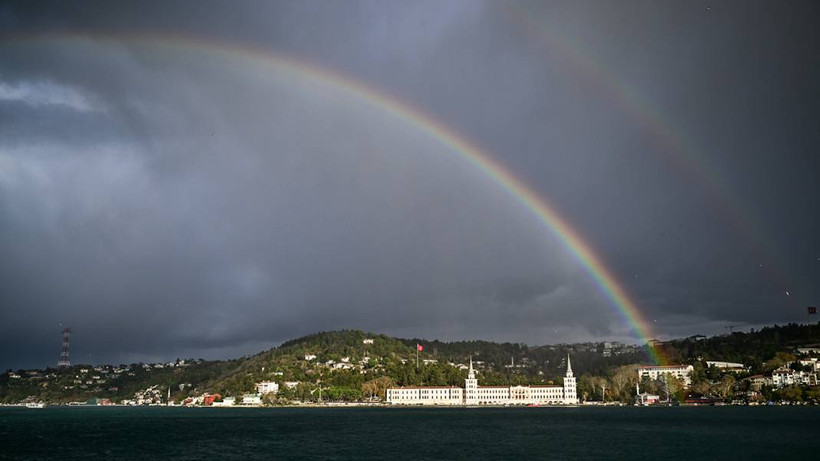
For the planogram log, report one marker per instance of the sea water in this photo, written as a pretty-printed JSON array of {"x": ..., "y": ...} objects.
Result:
[{"x": 667, "y": 433}]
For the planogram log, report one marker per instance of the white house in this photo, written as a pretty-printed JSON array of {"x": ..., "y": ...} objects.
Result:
[
  {"x": 226, "y": 402},
  {"x": 309, "y": 357},
  {"x": 267, "y": 387},
  {"x": 783, "y": 377},
  {"x": 647, "y": 399},
  {"x": 367, "y": 341},
  {"x": 251, "y": 399}
]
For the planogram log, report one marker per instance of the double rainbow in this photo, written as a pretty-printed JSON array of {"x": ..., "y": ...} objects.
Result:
[{"x": 537, "y": 206}]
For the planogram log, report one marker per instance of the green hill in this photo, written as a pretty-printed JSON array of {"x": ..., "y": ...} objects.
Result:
[{"x": 353, "y": 365}]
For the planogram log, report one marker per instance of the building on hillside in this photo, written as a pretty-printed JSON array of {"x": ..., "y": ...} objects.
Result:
[
  {"x": 683, "y": 372},
  {"x": 783, "y": 377},
  {"x": 267, "y": 387},
  {"x": 809, "y": 349},
  {"x": 756, "y": 382},
  {"x": 812, "y": 363},
  {"x": 728, "y": 366},
  {"x": 473, "y": 394},
  {"x": 367, "y": 341}
]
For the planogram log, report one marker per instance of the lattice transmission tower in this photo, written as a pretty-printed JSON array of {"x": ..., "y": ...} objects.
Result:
[{"x": 65, "y": 355}]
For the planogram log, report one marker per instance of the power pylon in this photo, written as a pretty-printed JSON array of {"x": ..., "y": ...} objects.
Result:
[{"x": 65, "y": 355}]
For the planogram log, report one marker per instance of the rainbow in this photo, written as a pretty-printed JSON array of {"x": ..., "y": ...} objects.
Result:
[
  {"x": 679, "y": 149},
  {"x": 537, "y": 206}
]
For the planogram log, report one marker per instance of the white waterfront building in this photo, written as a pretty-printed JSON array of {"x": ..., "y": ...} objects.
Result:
[{"x": 473, "y": 394}]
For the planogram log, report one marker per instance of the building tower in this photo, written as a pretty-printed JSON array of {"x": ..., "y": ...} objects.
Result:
[
  {"x": 470, "y": 386},
  {"x": 570, "y": 391},
  {"x": 65, "y": 355}
]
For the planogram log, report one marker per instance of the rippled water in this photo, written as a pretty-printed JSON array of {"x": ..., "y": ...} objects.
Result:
[{"x": 400, "y": 433}]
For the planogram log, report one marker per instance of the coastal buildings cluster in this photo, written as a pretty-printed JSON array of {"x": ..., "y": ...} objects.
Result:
[{"x": 365, "y": 369}]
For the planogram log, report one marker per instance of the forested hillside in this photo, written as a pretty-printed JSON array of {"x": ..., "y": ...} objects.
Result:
[{"x": 355, "y": 365}]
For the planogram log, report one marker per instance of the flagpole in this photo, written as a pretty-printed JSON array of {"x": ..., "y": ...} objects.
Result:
[{"x": 417, "y": 355}]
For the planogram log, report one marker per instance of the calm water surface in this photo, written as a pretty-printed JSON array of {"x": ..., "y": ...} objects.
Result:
[{"x": 688, "y": 433}]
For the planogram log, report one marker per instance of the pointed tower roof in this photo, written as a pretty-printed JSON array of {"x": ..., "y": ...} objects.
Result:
[
  {"x": 471, "y": 373},
  {"x": 569, "y": 366}
]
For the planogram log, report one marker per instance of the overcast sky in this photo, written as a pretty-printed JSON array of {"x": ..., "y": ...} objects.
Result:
[{"x": 166, "y": 194}]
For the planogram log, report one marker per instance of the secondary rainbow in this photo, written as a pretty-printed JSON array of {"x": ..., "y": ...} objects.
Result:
[
  {"x": 539, "y": 208},
  {"x": 679, "y": 149}
]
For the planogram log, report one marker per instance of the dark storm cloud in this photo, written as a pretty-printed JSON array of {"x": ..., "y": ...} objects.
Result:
[{"x": 173, "y": 203}]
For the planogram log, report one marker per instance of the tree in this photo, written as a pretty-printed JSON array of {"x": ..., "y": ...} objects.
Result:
[
  {"x": 674, "y": 387},
  {"x": 701, "y": 388},
  {"x": 725, "y": 385},
  {"x": 813, "y": 394},
  {"x": 623, "y": 381},
  {"x": 780, "y": 359},
  {"x": 603, "y": 384},
  {"x": 586, "y": 387},
  {"x": 792, "y": 394},
  {"x": 376, "y": 387}
]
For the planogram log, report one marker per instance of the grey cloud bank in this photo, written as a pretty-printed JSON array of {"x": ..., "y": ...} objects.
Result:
[{"x": 168, "y": 201}]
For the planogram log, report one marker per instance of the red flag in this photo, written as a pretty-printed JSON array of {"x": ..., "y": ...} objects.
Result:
[
  {"x": 812, "y": 309},
  {"x": 418, "y": 347}
]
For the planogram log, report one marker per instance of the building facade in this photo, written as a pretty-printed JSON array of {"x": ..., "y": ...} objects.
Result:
[
  {"x": 473, "y": 394},
  {"x": 683, "y": 372},
  {"x": 783, "y": 377},
  {"x": 267, "y": 387},
  {"x": 728, "y": 366}
]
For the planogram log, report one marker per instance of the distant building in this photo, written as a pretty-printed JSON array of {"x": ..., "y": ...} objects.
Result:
[
  {"x": 226, "y": 402},
  {"x": 291, "y": 384},
  {"x": 209, "y": 399},
  {"x": 267, "y": 387},
  {"x": 309, "y": 357},
  {"x": 783, "y": 377},
  {"x": 683, "y": 372},
  {"x": 473, "y": 394},
  {"x": 812, "y": 363},
  {"x": 728, "y": 366},
  {"x": 808, "y": 350},
  {"x": 251, "y": 400},
  {"x": 367, "y": 341},
  {"x": 647, "y": 399},
  {"x": 757, "y": 382}
]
